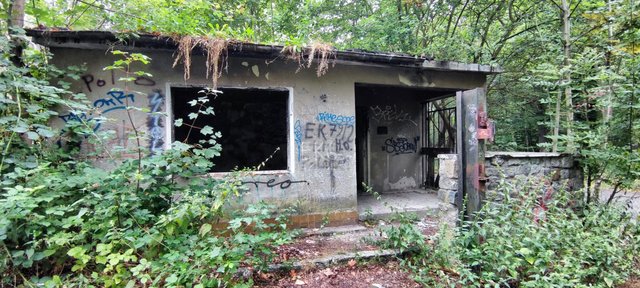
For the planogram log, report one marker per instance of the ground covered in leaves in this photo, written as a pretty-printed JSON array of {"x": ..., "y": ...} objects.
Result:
[{"x": 351, "y": 274}]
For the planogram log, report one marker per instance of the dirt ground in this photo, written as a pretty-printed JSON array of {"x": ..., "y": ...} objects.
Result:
[
  {"x": 349, "y": 275},
  {"x": 386, "y": 273}
]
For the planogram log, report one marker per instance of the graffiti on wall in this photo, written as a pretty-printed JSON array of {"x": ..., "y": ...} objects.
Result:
[
  {"x": 90, "y": 80},
  {"x": 154, "y": 123},
  {"x": 331, "y": 136},
  {"x": 115, "y": 100},
  {"x": 283, "y": 184},
  {"x": 330, "y": 118},
  {"x": 390, "y": 114},
  {"x": 330, "y": 133},
  {"x": 297, "y": 131},
  {"x": 401, "y": 145}
]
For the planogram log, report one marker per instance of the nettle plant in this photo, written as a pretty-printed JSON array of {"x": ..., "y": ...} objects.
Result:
[
  {"x": 529, "y": 235},
  {"x": 153, "y": 220}
]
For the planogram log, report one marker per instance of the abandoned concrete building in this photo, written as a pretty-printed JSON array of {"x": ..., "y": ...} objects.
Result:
[{"x": 352, "y": 117}]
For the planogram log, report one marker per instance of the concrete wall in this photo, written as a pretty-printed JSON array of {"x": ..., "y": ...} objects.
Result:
[
  {"x": 395, "y": 128},
  {"x": 561, "y": 169},
  {"x": 321, "y": 168}
]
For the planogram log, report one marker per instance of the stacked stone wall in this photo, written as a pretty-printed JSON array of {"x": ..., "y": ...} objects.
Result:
[{"x": 514, "y": 167}]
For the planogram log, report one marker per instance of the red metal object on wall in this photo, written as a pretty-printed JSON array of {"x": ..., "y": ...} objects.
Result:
[{"x": 486, "y": 127}]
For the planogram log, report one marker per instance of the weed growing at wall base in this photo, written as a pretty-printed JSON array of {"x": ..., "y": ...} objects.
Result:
[{"x": 517, "y": 242}]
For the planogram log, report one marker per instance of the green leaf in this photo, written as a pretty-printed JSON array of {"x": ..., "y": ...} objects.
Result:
[
  {"x": 177, "y": 122},
  {"x": 76, "y": 252},
  {"x": 204, "y": 229},
  {"x": 206, "y": 130},
  {"x": 530, "y": 259},
  {"x": 33, "y": 135},
  {"x": 171, "y": 279},
  {"x": 608, "y": 281}
]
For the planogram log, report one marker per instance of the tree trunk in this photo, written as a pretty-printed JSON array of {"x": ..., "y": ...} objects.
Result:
[
  {"x": 16, "y": 20},
  {"x": 16, "y": 16},
  {"x": 556, "y": 124},
  {"x": 566, "y": 78}
]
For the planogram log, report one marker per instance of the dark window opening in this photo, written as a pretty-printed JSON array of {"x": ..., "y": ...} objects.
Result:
[{"x": 253, "y": 124}]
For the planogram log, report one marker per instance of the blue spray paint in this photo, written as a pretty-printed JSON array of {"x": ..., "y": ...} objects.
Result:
[
  {"x": 115, "y": 101},
  {"x": 297, "y": 131},
  {"x": 330, "y": 118},
  {"x": 154, "y": 123}
]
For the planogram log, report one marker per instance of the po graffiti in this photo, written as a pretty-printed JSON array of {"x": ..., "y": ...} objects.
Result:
[
  {"x": 401, "y": 145},
  {"x": 90, "y": 80}
]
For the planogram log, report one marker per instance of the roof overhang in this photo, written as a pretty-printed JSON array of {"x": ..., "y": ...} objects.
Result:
[{"x": 101, "y": 40}]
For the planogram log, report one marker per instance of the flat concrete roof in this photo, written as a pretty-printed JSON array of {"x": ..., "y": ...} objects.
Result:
[{"x": 140, "y": 42}]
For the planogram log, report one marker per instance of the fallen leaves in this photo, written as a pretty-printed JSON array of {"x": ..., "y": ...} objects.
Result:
[{"x": 352, "y": 263}]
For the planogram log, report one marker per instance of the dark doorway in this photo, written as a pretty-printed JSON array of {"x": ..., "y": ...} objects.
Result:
[
  {"x": 362, "y": 165},
  {"x": 390, "y": 142}
]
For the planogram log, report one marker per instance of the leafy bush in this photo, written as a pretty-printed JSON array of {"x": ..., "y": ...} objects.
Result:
[
  {"x": 152, "y": 220},
  {"x": 533, "y": 237}
]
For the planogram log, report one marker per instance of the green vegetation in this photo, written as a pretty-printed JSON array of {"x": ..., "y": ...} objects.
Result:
[
  {"x": 571, "y": 66},
  {"x": 149, "y": 221},
  {"x": 517, "y": 242},
  {"x": 570, "y": 85}
]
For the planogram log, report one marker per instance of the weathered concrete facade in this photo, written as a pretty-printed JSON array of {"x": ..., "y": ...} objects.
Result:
[
  {"x": 320, "y": 178},
  {"x": 514, "y": 167}
]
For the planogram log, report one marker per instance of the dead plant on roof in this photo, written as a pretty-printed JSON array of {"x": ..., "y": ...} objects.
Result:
[
  {"x": 216, "y": 49},
  {"x": 185, "y": 46},
  {"x": 216, "y": 56},
  {"x": 321, "y": 52},
  {"x": 295, "y": 54}
]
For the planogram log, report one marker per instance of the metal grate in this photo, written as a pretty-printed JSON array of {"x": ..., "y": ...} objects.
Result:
[{"x": 440, "y": 135}]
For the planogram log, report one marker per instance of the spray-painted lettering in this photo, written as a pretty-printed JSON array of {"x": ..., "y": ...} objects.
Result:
[
  {"x": 390, "y": 113},
  {"x": 90, "y": 80},
  {"x": 116, "y": 100},
  {"x": 400, "y": 145},
  {"x": 297, "y": 131},
  {"x": 330, "y": 118},
  {"x": 337, "y": 137},
  {"x": 284, "y": 184},
  {"x": 154, "y": 123}
]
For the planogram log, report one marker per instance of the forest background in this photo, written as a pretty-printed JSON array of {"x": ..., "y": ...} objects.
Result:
[
  {"x": 570, "y": 67},
  {"x": 569, "y": 85}
]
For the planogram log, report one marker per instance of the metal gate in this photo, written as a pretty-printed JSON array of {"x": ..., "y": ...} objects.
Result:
[{"x": 440, "y": 135}]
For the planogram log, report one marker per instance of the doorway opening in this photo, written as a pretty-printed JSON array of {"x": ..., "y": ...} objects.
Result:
[{"x": 392, "y": 137}]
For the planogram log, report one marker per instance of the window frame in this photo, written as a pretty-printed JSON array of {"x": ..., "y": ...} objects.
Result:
[{"x": 290, "y": 149}]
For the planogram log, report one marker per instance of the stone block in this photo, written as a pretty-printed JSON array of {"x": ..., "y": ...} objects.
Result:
[
  {"x": 518, "y": 170},
  {"x": 448, "y": 183},
  {"x": 447, "y": 196},
  {"x": 535, "y": 169},
  {"x": 448, "y": 168}
]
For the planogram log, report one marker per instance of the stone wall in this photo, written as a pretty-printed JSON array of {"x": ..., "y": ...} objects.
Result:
[{"x": 561, "y": 169}]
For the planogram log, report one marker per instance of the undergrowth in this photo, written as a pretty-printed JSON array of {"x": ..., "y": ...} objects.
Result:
[
  {"x": 516, "y": 242},
  {"x": 153, "y": 220}
]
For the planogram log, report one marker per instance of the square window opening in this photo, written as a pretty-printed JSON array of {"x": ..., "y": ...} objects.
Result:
[{"x": 252, "y": 121}]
